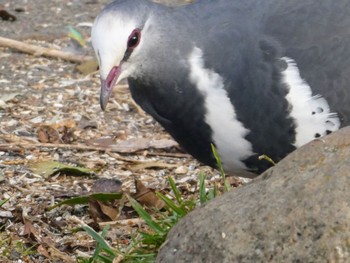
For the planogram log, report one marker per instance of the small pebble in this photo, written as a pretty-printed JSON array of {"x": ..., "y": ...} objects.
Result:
[{"x": 181, "y": 170}]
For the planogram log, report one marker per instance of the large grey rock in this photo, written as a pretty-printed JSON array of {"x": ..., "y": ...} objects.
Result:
[{"x": 298, "y": 211}]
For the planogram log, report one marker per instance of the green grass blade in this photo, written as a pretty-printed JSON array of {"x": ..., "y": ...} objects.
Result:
[
  {"x": 99, "y": 248},
  {"x": 4, "y": 202},
  {"x": 171, "y": 204},
  {"x": 104, "y": 231},
  {"x": 146, "y": 216},
  {"x": 75, "y": 34},
  {"x": 154, "y": 240},
  {"x": 100, "y": 240},
  {"x": 216, "y": 190},
  {"x": 202, "y": 192},
  {"x": 227, "y": 186},
  {"x": 218, "y": 160},
  {"x": 104, "y": 259},
  {"x": 80, "y": 200},
  {"x": 265, "y": 157},
  {"x": 176, "y": 191}
]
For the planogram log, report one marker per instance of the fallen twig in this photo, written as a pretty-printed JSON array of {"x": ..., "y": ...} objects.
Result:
[
  {"x": 20, "y": 147},
  {"x": 124, "y": 222},
  {"x": 117, "y": 156},
  {"x": 42, "y": 51},
  {"x": 165, "y": 154}
]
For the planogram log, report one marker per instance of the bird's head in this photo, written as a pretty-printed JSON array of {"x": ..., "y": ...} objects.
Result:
[{"x": 118, "y": 43}]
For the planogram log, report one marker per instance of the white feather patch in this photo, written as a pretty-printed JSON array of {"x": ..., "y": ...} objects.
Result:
[
  {"x": 109, "y": 37},
  {"x": 228, "y": 133},
  {"x": 311, "y": 113}
]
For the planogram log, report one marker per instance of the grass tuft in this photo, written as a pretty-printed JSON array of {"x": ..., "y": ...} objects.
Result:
[{"x": 144, "y": 247}]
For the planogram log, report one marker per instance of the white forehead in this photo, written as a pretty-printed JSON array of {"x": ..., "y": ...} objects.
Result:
[{"x": 109, "y": 38}]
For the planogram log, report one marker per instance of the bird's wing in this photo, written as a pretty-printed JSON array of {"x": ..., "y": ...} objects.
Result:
[{"x": 316, "y": 34}]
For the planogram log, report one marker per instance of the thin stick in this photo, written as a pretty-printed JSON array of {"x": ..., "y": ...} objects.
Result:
[
  {"x": 20, "y": 147},
  {"x": 42, "y": 51},
  {"x": 17, "y": 147},
  {"x": 124, "y": 222}
]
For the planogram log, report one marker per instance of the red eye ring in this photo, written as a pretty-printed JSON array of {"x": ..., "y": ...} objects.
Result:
[{"x": 134, "y": 38}]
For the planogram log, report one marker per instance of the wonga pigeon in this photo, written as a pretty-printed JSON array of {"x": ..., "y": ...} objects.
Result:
[{"x": 251, "y": 77}]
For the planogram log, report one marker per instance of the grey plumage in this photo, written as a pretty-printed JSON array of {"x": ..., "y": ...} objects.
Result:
[{"x": 243, "y": 45}]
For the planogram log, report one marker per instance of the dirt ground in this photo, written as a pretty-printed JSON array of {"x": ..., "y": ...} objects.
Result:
[{"x": 49, "y": 111}]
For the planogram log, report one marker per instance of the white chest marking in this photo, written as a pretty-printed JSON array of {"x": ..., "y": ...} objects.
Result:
[
  {"x": 311, "y": 113},
  {"x": 227, "y": 132}
]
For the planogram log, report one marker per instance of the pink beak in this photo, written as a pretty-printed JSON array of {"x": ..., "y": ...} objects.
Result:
[{"x": 107, "y": 86}]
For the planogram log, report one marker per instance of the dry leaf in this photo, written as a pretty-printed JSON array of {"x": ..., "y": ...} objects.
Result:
[
  {"x": 48, "y": 168},
  {"x": 43, "y": 251},
  {"x": 102, "y": 211},
  {"x": 109, "y": 211},
  {"x": 62, "y": 131},
  {"x": 146, "y": 196},
  {"x": 96, "y": 212},
  {"x": 88, "y": 67},
  {"x": 30, "y": 230},
  {"x": 105, "y": 211},
  {"x": 47, "y": 134}
]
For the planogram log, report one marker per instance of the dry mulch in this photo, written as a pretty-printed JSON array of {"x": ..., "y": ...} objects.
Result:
[{"x": 49, "y": 111}]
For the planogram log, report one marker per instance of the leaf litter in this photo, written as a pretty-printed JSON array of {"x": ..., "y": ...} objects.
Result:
[{"x": 52, "y": 128}]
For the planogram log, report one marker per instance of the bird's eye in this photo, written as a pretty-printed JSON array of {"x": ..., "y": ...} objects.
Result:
[{"x": 134, "y": 38}]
